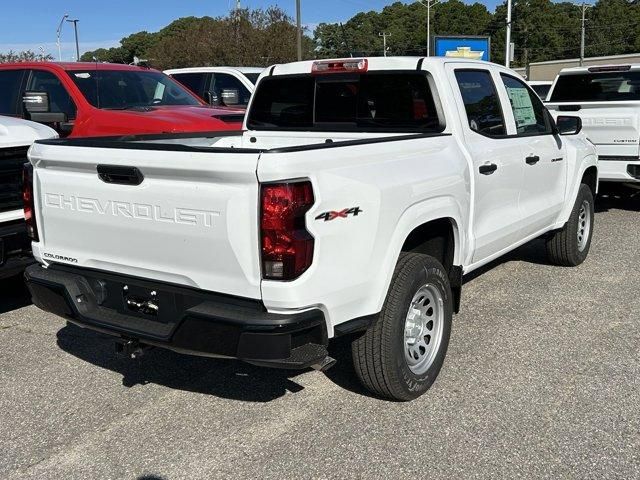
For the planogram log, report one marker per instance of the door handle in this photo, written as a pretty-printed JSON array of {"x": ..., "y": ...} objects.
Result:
[
  {"x": 120, "y": 175},
  {"x": 488, "y": 168},
  {"x": 532, "y": 160}
]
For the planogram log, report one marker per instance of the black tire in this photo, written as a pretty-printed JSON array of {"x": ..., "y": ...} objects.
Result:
[
  {"x": 563, "y": 246},
  {"x": 379, "y": 354}
]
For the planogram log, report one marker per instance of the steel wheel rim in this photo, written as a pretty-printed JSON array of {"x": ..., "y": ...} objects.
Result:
[
  {"x": 423, "y": 328},
  {"x": 584, "y": 225}
]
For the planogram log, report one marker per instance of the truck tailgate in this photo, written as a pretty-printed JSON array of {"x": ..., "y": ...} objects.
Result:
[
  {"x": 191, "y": 221},
  {"x": 614, "y": 127}
]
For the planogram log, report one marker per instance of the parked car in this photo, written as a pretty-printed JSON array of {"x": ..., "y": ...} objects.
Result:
[
  {"x": 16, "y": 136},
  {"x": 353, "y": 204},
  {"x": 607, "y": 100},
  {"x": 541, "y": 87},
  {"x": 97, "y": 99},
  {"x": 227, "y": 86}
]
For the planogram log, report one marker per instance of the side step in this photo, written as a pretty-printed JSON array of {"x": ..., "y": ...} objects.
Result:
[{"x": 310, "y": 355}]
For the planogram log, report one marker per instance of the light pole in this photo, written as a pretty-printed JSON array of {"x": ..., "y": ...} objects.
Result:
[
  {"x": 384, "y": 42},
  {"x": 75, "y": 27},
  {"x": 299, "y": 26},
  {"x": 58, "y": 32},
  {"x": 428, "y": 4},
  {"x": 584, "y": 11},
  {"x": 507, "y": 58}
]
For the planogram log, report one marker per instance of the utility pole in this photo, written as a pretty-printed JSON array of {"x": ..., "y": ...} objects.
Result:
[
  {"x": 584, "y": 11},
  {"x": 299, "y": 25},
  {"x": 428, "y": 4},
  {"x": 384, "y": 41},
  {"x": 58, "y": 32},
  {"x": 75, "y": 27},
  {"x": 507, "y": 56}
]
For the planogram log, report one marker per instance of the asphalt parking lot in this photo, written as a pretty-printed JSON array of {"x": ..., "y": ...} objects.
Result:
[{"x": 542, "y": 379}]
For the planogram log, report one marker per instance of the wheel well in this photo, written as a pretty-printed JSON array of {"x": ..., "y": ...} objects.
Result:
[
  {"x": 590, "y": 178},
  {"x": 436, "y": 239}
]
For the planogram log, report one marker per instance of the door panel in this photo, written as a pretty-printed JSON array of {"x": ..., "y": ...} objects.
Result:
[
  {"x": 497, "y": 162},
  {"x": 543, "y": 157}
]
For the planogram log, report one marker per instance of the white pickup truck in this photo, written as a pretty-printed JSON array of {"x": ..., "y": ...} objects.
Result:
[
  {"x": 607, "y": 99},
  {"x": 359, "y": 194},
  {"x": 16, "y": 136}
]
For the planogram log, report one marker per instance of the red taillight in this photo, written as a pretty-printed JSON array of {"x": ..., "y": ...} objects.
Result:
[
  {"x": 287, "y": 246},
  {"x": 356, "y": 65},
  {"x": 28, "y": 202}
]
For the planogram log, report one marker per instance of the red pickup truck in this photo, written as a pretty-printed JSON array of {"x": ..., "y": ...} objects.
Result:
[{"x": 102, "y": 99}]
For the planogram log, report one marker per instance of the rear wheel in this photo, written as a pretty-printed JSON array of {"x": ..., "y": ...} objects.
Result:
[
  {"x": 401, "y": 354},
  {"x": 570, "y": 246}
]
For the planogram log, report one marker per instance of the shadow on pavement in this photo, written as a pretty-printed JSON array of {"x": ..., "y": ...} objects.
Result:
[
  {"x": 13, "y": 294},
  {"x": 531, "y": 252},
  {"x": 620, "y": 199},
  {"x": 344, "y": 374},
  {"x": 223, "y": 378}
]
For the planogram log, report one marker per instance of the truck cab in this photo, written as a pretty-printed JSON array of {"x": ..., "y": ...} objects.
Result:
[
  {"x": 607, "y": 100},
  {"x": 99, "y": 99},
  {"x": 220, "y": 86}
]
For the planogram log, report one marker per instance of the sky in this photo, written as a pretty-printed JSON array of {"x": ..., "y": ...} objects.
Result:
[{"x": 103, "y": 23}]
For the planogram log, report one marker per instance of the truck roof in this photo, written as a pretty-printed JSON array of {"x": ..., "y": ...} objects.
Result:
[
  {"x": 214, "y": 69},
  {"x": 380, "y": 63},
  {"x": 600, "y": 68},
  {"x": 15, "y": 132},
  {"x": 72, "y": 66}
]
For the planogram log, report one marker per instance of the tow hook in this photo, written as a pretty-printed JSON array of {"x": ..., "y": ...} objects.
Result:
[
  {"x": 325, "y": 364},
  {"x": 131, "y": 348}
]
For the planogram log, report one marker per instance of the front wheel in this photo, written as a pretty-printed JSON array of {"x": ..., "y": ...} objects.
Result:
[
  {"x": 401, "y": 354},
  {"x": 570, "y": 246}
]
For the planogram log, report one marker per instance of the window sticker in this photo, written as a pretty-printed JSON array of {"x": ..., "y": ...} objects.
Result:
[{"x": 522, "y": 107}]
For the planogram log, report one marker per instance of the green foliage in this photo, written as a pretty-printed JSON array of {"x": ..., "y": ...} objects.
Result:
[
  {"x": 244, "y": 38},
  {"x": 24, "y": 56},
  {"x": 542, "y": 30}
]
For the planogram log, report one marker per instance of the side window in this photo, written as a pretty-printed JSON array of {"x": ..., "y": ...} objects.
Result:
[
  {"x": 61, "y": 102},
  {"x": 481, "y": 102},
  {"x": 528, "y": 110},
  {"x": 223, "y": 81},
  {"x": 193, "y": 81},
  {"x": 10, "y": 82}
]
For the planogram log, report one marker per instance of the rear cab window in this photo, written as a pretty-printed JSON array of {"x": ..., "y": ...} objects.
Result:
[
  {"x": 597, "y": 86},
  {"x": 481, "y": 102},
  {"x": 373, "y": 101},
  {"x": 196, "y": 82}
]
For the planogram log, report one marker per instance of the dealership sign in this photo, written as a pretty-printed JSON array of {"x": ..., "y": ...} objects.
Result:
[{"x": 472, "y": 47}]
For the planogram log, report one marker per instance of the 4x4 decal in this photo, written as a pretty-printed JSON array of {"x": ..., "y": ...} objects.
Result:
[{"x": 344, "y": 213}]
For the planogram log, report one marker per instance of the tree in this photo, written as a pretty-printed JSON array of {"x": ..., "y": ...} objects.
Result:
[
  {"x": 407, "y": 25},
  {"x": 24, "y": 56}
]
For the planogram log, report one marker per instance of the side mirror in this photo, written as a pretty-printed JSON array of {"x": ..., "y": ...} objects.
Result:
[
  {"x": 36, "y": 102},
  {"x": 569, "y": 125},
  {"x": 38, "y": 108},
  {"x": 211, "y": 98},
  {"x": 230, "y": 96}
]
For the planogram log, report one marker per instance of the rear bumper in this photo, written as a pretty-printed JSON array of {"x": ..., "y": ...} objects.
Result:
[
  {"x": 15, "y": 248},
  {"x": 181, "y": 319},
  {"x": 618, "y": 169}
]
